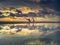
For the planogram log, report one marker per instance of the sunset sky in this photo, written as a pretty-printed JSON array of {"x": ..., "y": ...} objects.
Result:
[
  {"x": 29, "y": 22},
  {"x": 27, "y": 6}
]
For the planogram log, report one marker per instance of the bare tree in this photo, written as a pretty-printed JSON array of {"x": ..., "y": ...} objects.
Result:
[
  {"x": 12, "y": 15},
  {"x": 18, "y": 11},
  {"x": 1, "y": 13}
]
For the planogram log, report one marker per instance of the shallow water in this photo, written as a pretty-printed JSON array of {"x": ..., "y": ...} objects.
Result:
[{"x": 30, "y": 34}]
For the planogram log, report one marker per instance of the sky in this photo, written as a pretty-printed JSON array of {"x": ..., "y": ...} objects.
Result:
[
  {"x": 46, "y": 31},
  {"x": 27, "y": 6},
  {"x": 54, "y": 4}
]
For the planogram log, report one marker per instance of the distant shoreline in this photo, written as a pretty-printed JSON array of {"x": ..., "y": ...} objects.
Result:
[{"x": 5, "y": 22}]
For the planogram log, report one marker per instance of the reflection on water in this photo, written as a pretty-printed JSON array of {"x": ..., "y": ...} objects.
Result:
[{"x": 30, "y": 34}]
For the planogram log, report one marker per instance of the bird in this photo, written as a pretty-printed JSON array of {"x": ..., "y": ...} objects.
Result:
[
  {"x": 19, "y": 30},
  {"x": 29, "y": 20}
]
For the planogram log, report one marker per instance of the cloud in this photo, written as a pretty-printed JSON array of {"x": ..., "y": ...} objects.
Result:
[
  {"x": 54, "y": 4},
  {"x": 23, "y": 32},
  {"x": 27, "y": 32}
]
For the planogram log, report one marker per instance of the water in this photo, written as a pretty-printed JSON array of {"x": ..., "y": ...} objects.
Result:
[{"x": 30, "y": 34}]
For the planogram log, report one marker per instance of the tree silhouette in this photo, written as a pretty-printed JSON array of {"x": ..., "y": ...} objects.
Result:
[
  {"x": 19, "y": 30},
  {"x": 12, "y": 15},
  {"x": 19, "y": 11},
  {"x": 1, "y": 13},
  {"x": 1, "y": 16},
  {"x": 31, "y": 14}
]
